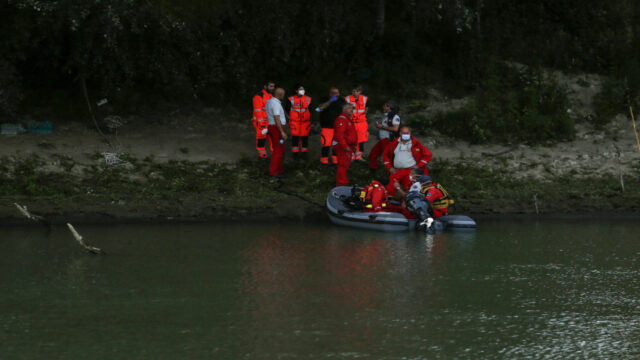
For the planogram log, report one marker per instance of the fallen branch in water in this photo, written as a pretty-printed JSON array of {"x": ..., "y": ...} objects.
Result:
[
  {"x": 91, "y": 249},
  {"x": 23, "y": 209}
]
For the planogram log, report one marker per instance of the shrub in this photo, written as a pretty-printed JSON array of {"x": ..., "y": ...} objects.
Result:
[{"x": 510, "y": 105}]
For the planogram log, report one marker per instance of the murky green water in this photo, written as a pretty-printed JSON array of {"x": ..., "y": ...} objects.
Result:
[{"x": 514, "y": 289}]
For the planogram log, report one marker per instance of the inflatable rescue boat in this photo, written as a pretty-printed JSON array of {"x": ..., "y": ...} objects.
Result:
[{"x": 341, "y": 211}]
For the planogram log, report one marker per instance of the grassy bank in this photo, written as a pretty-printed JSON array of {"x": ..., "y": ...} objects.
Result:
[{"x": 143, "y": 189}]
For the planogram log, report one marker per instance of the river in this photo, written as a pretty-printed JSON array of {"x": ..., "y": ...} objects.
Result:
[{"x": 553, "y": 288}]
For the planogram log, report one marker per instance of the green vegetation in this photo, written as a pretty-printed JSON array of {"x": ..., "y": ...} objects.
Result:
[
  {"x": 142, "y": 54},
  {"x": 196, "y": 189},
  {"x": 511, "y": 105},
  {"x": 615, "y": 97}
]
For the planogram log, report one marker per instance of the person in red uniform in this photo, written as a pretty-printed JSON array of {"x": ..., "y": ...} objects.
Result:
[
  {"x": 259, "y": 118},
  {"x": 277, "y": 125},
  {"x": 374, "y": 197},
  {"x": 403, "y": 154},
  {"x": 360, "y": 108},
  {"x": 299, "y": 120},
  {"x": 345, "y": 142},
  {"x": 438, "y": 198},
  {"x": 436, "y": 195}
]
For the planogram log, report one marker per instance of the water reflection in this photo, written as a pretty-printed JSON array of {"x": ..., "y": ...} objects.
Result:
[
  {"x": 511, "y": 290},
  {"x": 321, "y": 281}
]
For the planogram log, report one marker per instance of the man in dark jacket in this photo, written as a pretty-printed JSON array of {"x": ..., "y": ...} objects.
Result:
[{"x": 329, "y": 110}]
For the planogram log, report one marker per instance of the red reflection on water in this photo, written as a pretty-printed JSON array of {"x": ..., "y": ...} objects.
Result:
[{"x": 355, "y": 271}]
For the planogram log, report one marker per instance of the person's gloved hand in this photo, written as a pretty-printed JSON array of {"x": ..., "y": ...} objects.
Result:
[
  {"x": 415, "y": 187},
  {"x": 318, "y": 109},
  {"x": 264, "y": 131}
]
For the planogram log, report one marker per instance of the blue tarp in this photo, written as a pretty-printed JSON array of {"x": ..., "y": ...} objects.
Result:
[
  {"x": 40, "y": 127},
  {"x": 11, "y": 129}
]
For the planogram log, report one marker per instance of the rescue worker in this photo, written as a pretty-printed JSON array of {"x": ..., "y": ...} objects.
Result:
[
  {"x": 259, "y": 118},
  {"x": 435, "y": 194},
  {"x": 329, "y": 111},
  {"x": 345, "y": 142},
  {"x": 374, "y": 197},
  {"x": 277, "y": 122},
  {"x": 387, "y": 131},
  {"x": 403, "y": 154},
  {"x": 359, "y": 103},
  {"x": 299, "y": 121},
  {"x": 402, "y": 208}
]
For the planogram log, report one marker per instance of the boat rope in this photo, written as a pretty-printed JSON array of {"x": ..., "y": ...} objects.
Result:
[{"x": 303, "y": 198}]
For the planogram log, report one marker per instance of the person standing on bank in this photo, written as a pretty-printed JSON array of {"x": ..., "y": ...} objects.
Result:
[
  {"x": 329, "y": 110},
  {"x": 360, "y": 108},
  {"x": 345, "y": 142},
  {"x": 387, "y": 131},
  {"x": 300, "y": 121},
  {"x": 277, "y": 134},
  {"x": 259, "y": 118},
  {"x": 402, "y": 155}
]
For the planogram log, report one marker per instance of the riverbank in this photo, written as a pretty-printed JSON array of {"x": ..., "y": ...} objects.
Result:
[
  {"x": 203, "y": 167},
  {"x": 81, "y": 186}
]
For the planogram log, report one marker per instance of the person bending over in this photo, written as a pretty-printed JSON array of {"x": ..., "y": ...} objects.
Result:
[{"x": 437, "y": 197}]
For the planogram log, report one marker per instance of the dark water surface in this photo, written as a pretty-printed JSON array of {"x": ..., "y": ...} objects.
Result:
[{"x": 514, "y": 289}]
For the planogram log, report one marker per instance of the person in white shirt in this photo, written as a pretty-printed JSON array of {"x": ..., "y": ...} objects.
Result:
[
  {"x": 277, "y": 121},
  {"x": 401, "y": 155},
  {"x": 387, "y": 131}
]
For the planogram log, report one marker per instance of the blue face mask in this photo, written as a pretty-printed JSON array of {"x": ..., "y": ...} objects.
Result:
[{"x": 405, "y": 137}]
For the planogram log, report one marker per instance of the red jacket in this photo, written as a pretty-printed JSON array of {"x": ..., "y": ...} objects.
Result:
[
  {"x": 299, "y": 108},
  {"x": 259, "y": 102},
  {"x": 359, "y": 107},
  {"x": 345, "y": 132},
  {"x": 434, "y": 194},
  {"x": 420, "y": 153}
]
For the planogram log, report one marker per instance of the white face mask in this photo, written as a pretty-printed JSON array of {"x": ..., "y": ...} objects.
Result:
[
  {"x": 405, "y": 137},
  {"x": 301, "y": 92}
]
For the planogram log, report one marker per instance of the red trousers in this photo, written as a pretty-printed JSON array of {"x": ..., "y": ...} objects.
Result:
[
  {"x": 344, "y": 160},
  {"x": 376, "y": 152},
  {"x": 277, "y": 155},
  {"x": 402, "y": 175}
]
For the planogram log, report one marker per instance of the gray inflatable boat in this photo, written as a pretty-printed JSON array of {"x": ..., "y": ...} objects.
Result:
[{"x": 342, "y": 214}]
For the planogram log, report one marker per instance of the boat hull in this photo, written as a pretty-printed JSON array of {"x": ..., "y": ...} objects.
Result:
[{"x": 340, "y": 214}]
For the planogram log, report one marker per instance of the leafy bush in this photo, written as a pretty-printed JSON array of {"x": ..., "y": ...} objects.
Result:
[{"x": 510, "y": 105}]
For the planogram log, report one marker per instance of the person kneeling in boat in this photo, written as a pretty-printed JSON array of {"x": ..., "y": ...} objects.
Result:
[
  {"x": 437, "y": 197},
  {"x": 374, "y": 197}
]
